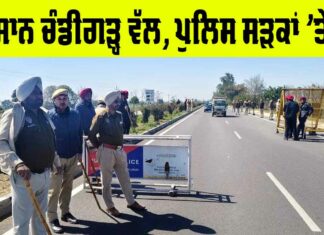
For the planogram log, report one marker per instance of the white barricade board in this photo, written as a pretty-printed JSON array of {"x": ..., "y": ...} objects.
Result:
[{"x": 155, "y": 158}]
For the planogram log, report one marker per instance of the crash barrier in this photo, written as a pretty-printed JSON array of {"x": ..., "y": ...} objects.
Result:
[
  {"x": 315, "y": 96},
  {"x": 156, "y": 164}
]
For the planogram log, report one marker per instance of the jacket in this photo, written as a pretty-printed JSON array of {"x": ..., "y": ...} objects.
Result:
[
  {"x": 11, "y": 123},
  {"x": 291, "y": 109},
  {"x": 68, "y": 132},
  {"x": 87, "y": 112}
]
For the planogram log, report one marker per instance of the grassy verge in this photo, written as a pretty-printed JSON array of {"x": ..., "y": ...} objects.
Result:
[{"x": 142, "y": 127}]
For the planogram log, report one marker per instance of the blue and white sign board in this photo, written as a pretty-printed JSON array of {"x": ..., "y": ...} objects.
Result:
[{"x": 149, "y": 161}]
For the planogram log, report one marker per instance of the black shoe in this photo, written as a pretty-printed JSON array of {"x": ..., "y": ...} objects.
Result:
[
  {"x": 68, "y": 217},
  {"x": 56, "y": 227},
  {"x": 136, "y": 207}
]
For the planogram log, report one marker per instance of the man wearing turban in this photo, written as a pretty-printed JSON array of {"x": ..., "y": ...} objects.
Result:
[
  {"x": 85, "y": 109},
  {"x": 27, "y": 153},
  {"x": 291, "y": 109},
  {"x": 110, "y": 153}
]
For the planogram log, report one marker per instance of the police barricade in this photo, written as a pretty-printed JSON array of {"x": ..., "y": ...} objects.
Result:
[
  {"x": 156, "y": 164},
  {"x": 315, "y": 97}
]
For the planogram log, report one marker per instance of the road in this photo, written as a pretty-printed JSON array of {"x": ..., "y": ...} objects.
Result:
[{"x": 267, "y": 185}]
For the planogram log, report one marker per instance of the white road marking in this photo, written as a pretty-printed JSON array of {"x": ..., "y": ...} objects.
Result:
[
  {"x": 227, "y": 122},
  {"x": 302, "y": 213},
  {"x": 173, "y": 126},
  {"x": 75, "y": 191},
  {"x": 237, "y": 135}
]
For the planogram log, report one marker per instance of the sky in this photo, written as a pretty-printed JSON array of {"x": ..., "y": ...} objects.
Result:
[{"x": 178, "y": 78}]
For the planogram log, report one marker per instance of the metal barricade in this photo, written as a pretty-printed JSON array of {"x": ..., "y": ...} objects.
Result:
[{"x": 162, "y": 167}]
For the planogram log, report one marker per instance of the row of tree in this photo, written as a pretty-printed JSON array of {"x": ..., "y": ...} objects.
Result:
[{"x": 252, "y": 89}]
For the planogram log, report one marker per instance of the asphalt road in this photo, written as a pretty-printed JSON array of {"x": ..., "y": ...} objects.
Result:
[{"x": 251, "y": 182}]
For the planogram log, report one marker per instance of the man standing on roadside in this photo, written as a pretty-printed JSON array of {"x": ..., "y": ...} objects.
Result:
[
  {"x": 110, "y": 153},
  {"x": 261, "y": 108},
  {"x": 68, "y": 132},
  {"x": 272, "y": 107},
  {"x": 85, "y": 109},
  {"x": 291, "y": 109},
  {"x": 27, "y": 153},
  {"x": 305, "y": 110}
]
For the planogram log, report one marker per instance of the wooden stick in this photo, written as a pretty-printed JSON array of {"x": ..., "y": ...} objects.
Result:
[
  {"x": 94, "y": 194},
  {"x": 37, "y": 207}
]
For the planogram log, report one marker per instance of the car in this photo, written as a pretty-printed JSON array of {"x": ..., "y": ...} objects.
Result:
[
  {"x": 208, "y": 107},
  {"x": 219, "y": 107}
]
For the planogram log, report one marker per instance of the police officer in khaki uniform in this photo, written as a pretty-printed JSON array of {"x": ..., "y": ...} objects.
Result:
[{"x": 110, "y": 154}]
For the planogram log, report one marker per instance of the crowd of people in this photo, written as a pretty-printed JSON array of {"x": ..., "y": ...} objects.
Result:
[
  {"x": 291, "y": 112},
  {"x": 249, "y": 107},
  {"x": 43, "y": 148}
]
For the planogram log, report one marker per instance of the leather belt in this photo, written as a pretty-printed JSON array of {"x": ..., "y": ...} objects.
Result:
[{"x": 114, "y": 147}]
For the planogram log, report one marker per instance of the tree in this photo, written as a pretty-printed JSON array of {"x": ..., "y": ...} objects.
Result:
[
  {"x": 134, "y": 100},
  {"x": 272, "y": 93},
  {"x": 47, "y": 96},
  {"x": 255, "y": 86},
  {"x": 6, "y": 104},
  {"x": 226, "y": 87}
]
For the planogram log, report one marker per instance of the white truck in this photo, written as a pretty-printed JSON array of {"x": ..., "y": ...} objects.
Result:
[{"x": 219, "y": 106}]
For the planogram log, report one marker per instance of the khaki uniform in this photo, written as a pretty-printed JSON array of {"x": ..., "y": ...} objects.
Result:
[{"x": 110, "y": 154}]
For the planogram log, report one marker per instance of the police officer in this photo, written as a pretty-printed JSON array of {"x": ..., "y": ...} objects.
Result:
[
  {"x": 110, "y": 153},
  {"x": 68, "y": 132},
  {"x": 305, "y": 110},
  {"x": 27, "y": 152},
  {"x": 290, "y": 114},
  {"x": 125, "y": 110},
  {"x": 101, "y": 105},
  {"x": 238, "y": 106},
  {"x": 272, "y": 107},
  {"x": 253, "y": 106},
  {"x": 261, "y": 108}
]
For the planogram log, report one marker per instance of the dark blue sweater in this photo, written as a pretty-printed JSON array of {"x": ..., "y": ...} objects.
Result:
[
  {"x": 68, "y": 132},
  {"x": 87, "y": 112}
]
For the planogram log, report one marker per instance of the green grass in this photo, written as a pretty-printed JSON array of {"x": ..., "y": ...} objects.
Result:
[{"x": 142, "y": 127}]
